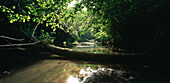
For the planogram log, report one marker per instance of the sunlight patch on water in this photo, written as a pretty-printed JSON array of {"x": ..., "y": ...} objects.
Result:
[{"x": 72, "y": 79}]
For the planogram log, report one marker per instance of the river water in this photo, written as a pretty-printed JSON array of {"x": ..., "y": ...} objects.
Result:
[
  {"x": 36, "y": 65},
  {"x": 91, "y": 47}
]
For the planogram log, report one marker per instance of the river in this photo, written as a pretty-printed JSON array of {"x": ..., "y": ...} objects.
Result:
[
  {"x": 36, "y": 65},
  {"x": 91, "y": 47}
]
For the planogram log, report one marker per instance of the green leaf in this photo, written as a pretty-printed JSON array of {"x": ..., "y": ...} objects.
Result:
[
  {"x": 64, "y": 7},
  {"x": 32, "y": 11},
  {"x": 60, "y": 21},
  {"x": 34, "y": 19},
  {"x": 29, "y": 12},
  {"x": 13, "y": 7},
  {"x": 50, "y": 23},
  {"x": 68, "y": 30},
  {"x": 44, "y": 19},
  {"x": 61, "y": 28},
  {"x": 11, "y": 21},
  {"x": 71, "y": 27},
  {"x": 57, "y": 25},
  {"x": 48, "y": 15},
  {"x": 28, "y": 18},
  {"x": 12, "y": 11},
  {"x": 23, "y": 20},
  {"x": 3, "y": 10},
  {"x": 46, "y": 24},
  {"x": 54, "y": 29},
  {"x": 38, "y": 0}
]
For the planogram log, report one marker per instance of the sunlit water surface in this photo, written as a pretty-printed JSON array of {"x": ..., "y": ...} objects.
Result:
[{"x": 90, "y": 47}]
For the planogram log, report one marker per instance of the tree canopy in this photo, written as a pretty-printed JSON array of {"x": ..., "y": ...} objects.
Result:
[{"x": 133, "y": 24}]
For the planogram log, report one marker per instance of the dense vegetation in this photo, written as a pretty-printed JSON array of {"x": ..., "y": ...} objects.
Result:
[{"x": 136, "y": 25}]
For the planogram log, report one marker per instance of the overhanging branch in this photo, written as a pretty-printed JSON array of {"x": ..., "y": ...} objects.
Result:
[
  {"x": 35, "y": 29},
  {"x": 15, "y": 39},
  {"x": 23, "y": 44}
]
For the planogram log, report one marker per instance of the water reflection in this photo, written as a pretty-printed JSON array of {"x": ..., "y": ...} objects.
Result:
[{"x": 94, "y": 49}]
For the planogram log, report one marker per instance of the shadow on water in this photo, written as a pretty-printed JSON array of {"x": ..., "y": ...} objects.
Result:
[
  {"x": 20, "y": 57},
  {"x": 26, "y": 59}
]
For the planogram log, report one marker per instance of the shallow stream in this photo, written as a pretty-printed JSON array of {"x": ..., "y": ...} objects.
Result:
[
  {"x": 91, "y": 47},
  {"x": 35, "y": 65}
]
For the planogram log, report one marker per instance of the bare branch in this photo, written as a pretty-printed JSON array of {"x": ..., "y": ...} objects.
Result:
[
  {"x": 23, "y": 44},
  {"x": 6, "y": 37},
  {"x": 35, "y": 29},
  {"x": 2, "y": 75}
]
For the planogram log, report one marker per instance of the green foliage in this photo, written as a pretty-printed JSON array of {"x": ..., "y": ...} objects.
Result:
[
  {"x": 5, "y": 9},
  {"x": 57, "y": 14},
  {"x": 88, "y": 26},
  {"x": 47, "y": 37},
  {"x": 102, "y": 20},
  {"x": 52, "y": 13}
]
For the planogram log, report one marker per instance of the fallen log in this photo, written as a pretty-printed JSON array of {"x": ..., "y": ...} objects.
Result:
[{"x": 79, "y": 55}]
